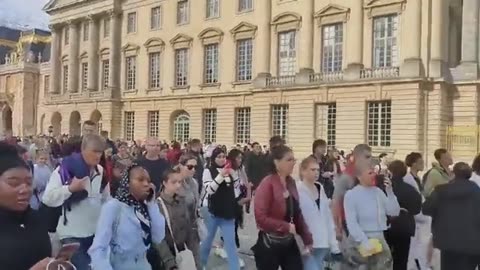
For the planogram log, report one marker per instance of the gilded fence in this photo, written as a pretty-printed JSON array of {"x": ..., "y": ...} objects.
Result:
[{"x": 463, "y": 141}]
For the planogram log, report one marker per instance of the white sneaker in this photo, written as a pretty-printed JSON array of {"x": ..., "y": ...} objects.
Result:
[
  {"x": 241, "y": 262},
  {"x": 221, "y": 252}
]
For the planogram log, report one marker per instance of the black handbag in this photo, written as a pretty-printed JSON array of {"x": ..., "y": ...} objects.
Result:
[{"x": 272, "y": 240}]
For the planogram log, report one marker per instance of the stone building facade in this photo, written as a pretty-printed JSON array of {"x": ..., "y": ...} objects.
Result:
[
  {"x": 24, "y": 57},
  {"x": 400, "y": 75}
]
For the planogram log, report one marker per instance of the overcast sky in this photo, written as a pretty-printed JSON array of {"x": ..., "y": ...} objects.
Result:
[{"x": 23, "y": 13}]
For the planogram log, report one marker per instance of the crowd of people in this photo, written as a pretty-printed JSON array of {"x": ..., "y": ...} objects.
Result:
[{"x": 158, "y": 206}]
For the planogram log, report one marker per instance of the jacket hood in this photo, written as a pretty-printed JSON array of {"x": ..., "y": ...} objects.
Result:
[{"x": 457, "y": 189}]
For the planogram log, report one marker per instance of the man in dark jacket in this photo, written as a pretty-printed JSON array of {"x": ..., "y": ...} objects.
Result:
[
  {"x": 454, "y": 208},
  {"x": 255, "y": 165},
  {"x": 402, "y": 228},
  {"x": 256, "y": 168}
]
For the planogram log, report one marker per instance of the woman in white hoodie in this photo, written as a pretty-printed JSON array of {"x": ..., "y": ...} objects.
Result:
[
  {"x": 315, "y": 208},
  {"x": 420, "y": 250}
]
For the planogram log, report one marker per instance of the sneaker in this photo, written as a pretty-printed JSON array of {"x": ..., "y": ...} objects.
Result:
[
  {"x": 219, "y": 251},
  {"x": 241, "y": 262}
]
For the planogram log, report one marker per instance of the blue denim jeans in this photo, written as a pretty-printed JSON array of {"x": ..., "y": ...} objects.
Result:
[
  {"x": 227, "y": 227},
  {"x": 80, "y": 259},
  {"x": 315, "y": 261}
]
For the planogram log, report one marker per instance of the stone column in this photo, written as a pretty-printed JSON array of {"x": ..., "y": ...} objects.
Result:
[
  {"x": 412, "y": 63},
  {"x": 93, "y": 62},
  {"x": 469, "y": 64},
  {"x": 438, "y": 40},
  {"x": 263, "y": 39},
  {"x": 73, "y": 68},
  {"x": 55, "y": 74},
  {"x": 115, "y": 54},
  {"x": 354, "y": 54},
  {"x": 306, "y": 38}
]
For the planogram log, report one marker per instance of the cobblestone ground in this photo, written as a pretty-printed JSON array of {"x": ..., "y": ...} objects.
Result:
[{"x": 248, "y": 237}]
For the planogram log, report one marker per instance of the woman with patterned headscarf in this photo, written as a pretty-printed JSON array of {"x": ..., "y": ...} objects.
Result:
[{"x": 128, "y": 225}]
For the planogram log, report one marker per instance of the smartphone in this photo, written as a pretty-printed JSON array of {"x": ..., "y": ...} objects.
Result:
[
  {"x": 66, "y": 251},
  {"x": 151, "y": 193},
  {"x": 59, "y": 264}
]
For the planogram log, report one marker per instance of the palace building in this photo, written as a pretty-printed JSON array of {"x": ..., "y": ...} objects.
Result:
[{"x": 400, "y": 75}]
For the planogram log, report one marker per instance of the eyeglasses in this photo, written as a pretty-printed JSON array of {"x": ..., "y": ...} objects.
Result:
[{"x": 190, "y": 167}]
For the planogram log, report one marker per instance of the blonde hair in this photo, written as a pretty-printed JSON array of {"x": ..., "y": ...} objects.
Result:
[{"x": 305, "y": 163}]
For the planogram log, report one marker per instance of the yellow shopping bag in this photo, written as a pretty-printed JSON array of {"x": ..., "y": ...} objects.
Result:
[{"x": 377, "y": 248}]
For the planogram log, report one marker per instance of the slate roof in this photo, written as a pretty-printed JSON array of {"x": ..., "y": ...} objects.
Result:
[{"x": 14, "y": 35}]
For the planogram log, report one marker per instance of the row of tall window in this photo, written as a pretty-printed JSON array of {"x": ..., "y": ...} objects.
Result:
[
  {"x": 244, "y": 54},
  {"x": 378, "y": 124},
  {"x": 385, "y": 54},
  {"x": 105, "y": 73},
  {"x": 212, "y": 8}
]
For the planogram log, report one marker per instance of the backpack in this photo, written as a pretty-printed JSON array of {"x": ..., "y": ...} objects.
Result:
[
  {"x": 52, "y": 214},
  {"x": 425, "y": 176}
]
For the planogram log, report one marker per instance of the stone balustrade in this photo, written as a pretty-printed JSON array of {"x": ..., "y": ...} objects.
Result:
[
  {"x": 326, "y": 77},
  {"x": 380, "y": 73},
  {"x": 280, "y": 81}
]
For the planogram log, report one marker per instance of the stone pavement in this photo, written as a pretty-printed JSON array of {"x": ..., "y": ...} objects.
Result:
[{"x": 248, "y": 237}]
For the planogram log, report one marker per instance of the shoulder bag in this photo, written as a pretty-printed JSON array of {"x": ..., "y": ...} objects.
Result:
[
  {"x": 273, "y": 240},
  {"x": 184, "y": 258}
]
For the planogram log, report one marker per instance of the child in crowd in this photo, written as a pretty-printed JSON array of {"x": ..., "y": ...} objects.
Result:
[{"x": 41, "y": 175}]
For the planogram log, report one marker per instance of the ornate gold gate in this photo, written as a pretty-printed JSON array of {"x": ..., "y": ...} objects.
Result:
[{"x": 463, "y": 141}]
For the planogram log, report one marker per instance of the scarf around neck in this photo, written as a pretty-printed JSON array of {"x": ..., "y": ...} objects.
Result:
[{"x": 140, "y": 208}]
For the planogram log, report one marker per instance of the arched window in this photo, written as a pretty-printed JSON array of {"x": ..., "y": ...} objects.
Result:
[{"x": 181, "y": 128}]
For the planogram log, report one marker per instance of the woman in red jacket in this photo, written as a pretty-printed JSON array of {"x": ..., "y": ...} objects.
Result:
[{"x": 278, "y": 216}]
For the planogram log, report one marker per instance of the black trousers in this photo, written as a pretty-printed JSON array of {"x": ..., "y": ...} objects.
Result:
[
  {"x": 287, "y": 258},
  {"x": 456, "y": 261},
  {"x": 400, "y": 247}
]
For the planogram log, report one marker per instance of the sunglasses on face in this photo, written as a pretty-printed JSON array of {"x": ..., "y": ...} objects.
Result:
[{"x": 190, "y": 167}]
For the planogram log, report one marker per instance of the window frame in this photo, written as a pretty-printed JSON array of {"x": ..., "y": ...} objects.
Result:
[
  {"x": 181, "y": 123},
  {"x": 243, "y": 118},
  {"x": 245, "y": 60},
  {"x": 291, "y": 62},
  {"x": 154, "y": 70},
  {"x": 245, "y": 6},
  {"x": 210, "y": 125},
  {"x": 159, "y": 19},
  {"x": 84, "y": 69},
  {"x": 390, "y": 55},
  {"x": 185, "y": 4},
  {"x": 211, "y": 59},
  {"x": 130, "y": 72},
  {"x": 65, "y": 79},
  {"x": 330, "y": 65},
  {"x": 132, "y": 24},
  {"x": 184, "y": 70},
  {"x": 379, "y": 123},
  {"x": 129, "y": 125},
  {"x": 153, "y": 129},
  {"x": 282, "y": 128},
  {"x": 105, "y": 73},
  {"x": 212, "y": 9}
]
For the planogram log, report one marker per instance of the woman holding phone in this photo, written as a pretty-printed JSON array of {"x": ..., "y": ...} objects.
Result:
[
  {"x": 222, "y": 207},
  {"x": 128, "y": 225},
  {"x": 366, "y": 209}
]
